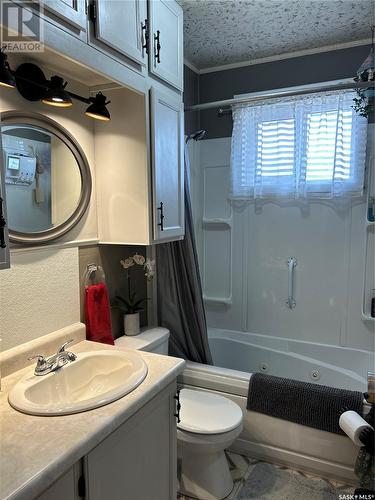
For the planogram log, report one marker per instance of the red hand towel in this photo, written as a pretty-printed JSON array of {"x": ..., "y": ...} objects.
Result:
[{"x": 97, "y": 314}]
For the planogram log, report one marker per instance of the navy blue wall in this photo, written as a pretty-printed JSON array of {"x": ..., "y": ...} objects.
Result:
[
  {"x": 191, "y": 96},
  {"x": 314, "y": 68}
]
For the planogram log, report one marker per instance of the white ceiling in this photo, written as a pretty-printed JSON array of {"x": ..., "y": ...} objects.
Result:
[{"x": 220, "y": 32}]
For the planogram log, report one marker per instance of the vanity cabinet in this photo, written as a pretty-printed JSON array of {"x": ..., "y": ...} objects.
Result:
[
  {"x": 138, "y": 461},
  {"x": 166, "y": 41},
  {"x": 65, "y": 488},
  {"x": 120, "y": 27}
]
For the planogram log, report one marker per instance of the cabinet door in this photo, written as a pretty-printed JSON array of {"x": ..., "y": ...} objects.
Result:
[
  {"x": 4, "y": 245},
  {"x": 65, "y": 488},
  {"x": 166, "y": 41},
  {"x": 138, "y": 460},
  {"x": 72, "y": 12},
  {"x": 167, "y": 165},
  {"x": 119, "y": 26}
]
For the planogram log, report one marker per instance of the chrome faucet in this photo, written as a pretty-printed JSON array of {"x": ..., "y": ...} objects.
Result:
[{"x": 48, "y": 365}]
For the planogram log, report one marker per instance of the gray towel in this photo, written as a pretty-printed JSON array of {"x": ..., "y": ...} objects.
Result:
[{"x": 304, "y": 403}]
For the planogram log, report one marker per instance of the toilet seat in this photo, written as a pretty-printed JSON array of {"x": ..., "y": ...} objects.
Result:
[{"x": 206, "y": 413}]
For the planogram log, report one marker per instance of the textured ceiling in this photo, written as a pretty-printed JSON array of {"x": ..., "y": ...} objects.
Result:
[{"x": 221, "y": 32}]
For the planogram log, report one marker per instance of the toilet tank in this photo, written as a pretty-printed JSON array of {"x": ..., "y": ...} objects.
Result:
[{"x": 151, "y": 340}]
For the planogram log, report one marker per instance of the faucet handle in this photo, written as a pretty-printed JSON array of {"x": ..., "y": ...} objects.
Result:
[
  {"x": 71, "y": 356},
  {"x": 62, "y": 348},
  {"x": 41, "y": 360}
]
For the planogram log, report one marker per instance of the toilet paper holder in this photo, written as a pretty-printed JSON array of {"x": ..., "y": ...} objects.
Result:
[{"x": 367, "y": 434}]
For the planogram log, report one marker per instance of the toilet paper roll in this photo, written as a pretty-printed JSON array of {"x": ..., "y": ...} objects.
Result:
[{"x": 353, "y": 424}]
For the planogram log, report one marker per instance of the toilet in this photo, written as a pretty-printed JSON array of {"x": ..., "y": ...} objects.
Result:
[
  {"x": 209, "y": 424},
  {"x": 151, "y": 340}
]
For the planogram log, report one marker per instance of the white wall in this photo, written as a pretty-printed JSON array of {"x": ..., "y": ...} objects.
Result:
[
  {"x": 38, "y": 295},
  {"x": 243, "y": 261}
]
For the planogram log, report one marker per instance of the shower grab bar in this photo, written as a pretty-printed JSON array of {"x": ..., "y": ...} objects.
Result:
[{"x": 292, "y": 263}]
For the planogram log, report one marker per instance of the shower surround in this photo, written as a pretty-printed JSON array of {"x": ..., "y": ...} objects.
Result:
[{"x": 244, "y": 250}]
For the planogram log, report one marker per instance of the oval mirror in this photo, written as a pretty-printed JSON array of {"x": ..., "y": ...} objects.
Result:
[{"x": 47, "y": 177}]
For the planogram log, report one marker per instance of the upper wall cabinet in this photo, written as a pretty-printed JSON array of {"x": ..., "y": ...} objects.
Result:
[
  {"x": 4, "y": 243},
  {"x": 167, "y": 165},
  {"x": 139, "y": 168},
  {"x": 166, "y": 41},
  {"x": 73, "y": 12},
  {"x": 121, "y": 27}
]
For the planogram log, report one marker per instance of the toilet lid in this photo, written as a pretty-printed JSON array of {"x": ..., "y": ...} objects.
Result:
[{"x": 206, "y": 413}]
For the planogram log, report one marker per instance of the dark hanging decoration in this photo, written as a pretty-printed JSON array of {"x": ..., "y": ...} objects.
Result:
[{"x": 364, "y": 103}]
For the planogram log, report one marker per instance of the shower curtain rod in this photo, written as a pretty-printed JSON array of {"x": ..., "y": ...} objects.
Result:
[{"x": 274, "y": 94}]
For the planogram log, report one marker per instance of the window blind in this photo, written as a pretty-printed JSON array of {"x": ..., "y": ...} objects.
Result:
[{"x": 307, "y": 146}]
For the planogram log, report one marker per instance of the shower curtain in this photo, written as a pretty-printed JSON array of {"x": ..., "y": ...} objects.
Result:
[{"x": 180, "y": 300}]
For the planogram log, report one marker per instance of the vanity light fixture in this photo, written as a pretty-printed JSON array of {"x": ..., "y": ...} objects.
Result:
[
  {"x": 33, "y": 86},
  {"x": 98, "y": 108},
  {"x": 56, "y": 94},
  {"x": 6, "y": 76}
]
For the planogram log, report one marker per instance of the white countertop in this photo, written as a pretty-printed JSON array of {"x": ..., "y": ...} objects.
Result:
[{"x": 35, "y": 451}]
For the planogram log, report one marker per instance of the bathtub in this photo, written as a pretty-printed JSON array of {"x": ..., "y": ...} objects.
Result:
[
  {"x": 236, "y": 355},
  {"x": 307, "y": 361}
]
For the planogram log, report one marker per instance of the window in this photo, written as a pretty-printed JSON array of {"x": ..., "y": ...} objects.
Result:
[{"x": 308, "y": 146}]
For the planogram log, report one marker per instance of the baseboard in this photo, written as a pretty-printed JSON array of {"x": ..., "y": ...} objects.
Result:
[{"x": 313, "y": 465}]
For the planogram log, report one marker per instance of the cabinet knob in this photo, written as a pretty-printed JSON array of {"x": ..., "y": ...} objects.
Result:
[
  {"x": 161, "y": 209},
  {"x": 3, "y": 224},
  {"x": 157, "y": 46}
]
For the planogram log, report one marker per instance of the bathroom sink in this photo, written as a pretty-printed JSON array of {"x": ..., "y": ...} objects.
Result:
[{"x": 95, "y": 379}]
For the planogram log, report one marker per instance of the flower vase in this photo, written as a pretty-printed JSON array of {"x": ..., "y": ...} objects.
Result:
[{"x": 131, "y": 324}]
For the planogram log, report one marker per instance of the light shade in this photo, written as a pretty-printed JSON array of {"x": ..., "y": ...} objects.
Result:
[
  {"x": 56, "y": 94},
  {"x": 98, "y": 109},
  {"x": 6, "y": 77}
]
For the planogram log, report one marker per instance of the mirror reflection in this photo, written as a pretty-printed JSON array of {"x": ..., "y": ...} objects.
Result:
[{"x": 42, "y": 179}]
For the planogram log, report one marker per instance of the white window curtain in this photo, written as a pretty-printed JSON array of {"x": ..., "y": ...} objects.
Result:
[{"x": 310, "y": 146}]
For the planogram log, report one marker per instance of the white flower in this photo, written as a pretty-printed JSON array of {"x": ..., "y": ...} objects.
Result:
[
  {"x": 139, "y": 259},
  {"x": 149, "y": 267},
  {"x": 129, "y": 262}
]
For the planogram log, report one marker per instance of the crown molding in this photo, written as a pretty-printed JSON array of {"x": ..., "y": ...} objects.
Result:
[
  {"x": 279, "y": 57},
  {"x": 191, "y": 66}
]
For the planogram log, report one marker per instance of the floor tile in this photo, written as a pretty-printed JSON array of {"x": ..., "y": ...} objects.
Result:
[
  {"x": 257, "y": 480},
  {"x": 266, "y": 481}
]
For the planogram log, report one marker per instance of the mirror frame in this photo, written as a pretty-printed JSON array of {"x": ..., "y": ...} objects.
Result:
[{"x": 14, "y": 118}]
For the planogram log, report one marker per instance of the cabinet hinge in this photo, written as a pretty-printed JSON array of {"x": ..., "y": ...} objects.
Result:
[
  {"x": 92, "y": 12},
  {"x": 82, "y": 487}
]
